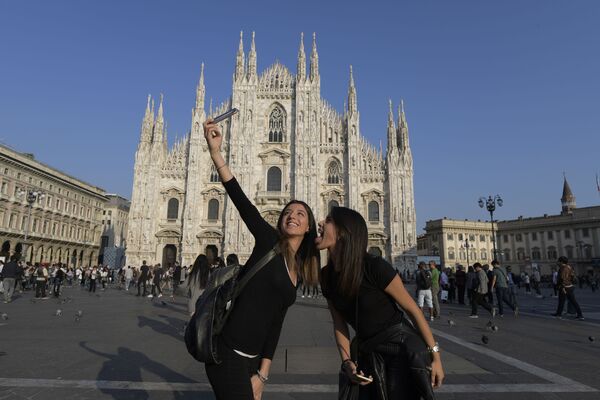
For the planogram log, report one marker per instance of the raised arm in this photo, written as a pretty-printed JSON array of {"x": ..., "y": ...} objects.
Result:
[{"x": 259, "y": 228}]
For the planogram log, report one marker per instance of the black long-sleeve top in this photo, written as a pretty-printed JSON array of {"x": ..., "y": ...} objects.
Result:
[{"x": 255, "y": 323}]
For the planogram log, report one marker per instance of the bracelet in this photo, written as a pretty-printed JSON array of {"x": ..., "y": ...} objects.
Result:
[{"x": 261, "y": 377}]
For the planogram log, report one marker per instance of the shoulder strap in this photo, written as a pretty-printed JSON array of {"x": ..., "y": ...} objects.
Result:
[{"x": 257, "y": 267}]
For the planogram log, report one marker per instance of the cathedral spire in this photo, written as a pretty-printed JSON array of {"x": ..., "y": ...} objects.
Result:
[
  {"x": 252, "y": 60},
  {"x": 301, "y": 69},
  {"x": 146, "y": 134},
  {"x": 352, "y": 107},
  {"x": 159, "y": 124},
  {"x": 392, "y": 141},
  {"x": 314, "y": 60},
  {"x": 402, "y": 128},
  {"x": 239, "y": 60},
  {"x": 200, "y": 91}
]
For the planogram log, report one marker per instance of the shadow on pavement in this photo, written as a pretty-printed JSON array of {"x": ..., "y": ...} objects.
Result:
[
  {"x": 173, "y": 328},
  {"x": 127, "y": 365}
]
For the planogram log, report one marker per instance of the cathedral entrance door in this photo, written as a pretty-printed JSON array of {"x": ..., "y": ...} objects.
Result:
[
  {"x": 211, "y": 252},
  {"x": 169, "y": 255}
]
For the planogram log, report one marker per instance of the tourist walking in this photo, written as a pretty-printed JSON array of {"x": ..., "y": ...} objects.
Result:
[
  {"x": 250, "y": 335},
  {"x": 424, "y": 296},
  {"x": 537, "y": 278},
  {"x": 93, "y": 279},
  {"x": 364, "y": 291},
  {"x": 176, "y": 279},
  {"x": 480, "y": 294},
  {"x": 566, "y": 288},
  {"x": 461, "y": 281},
  {"x": 128, "y": 277},
  {"x": 142, "y": 278},
  {"x": 435, "y": 288},
  {"x": 500, "y": 285},
  {"x": 157, "y": 275},
  {"x": 9, "y": 275},
  {"x": 472, "y": 283},
  {"x": 41, "y": 279}
]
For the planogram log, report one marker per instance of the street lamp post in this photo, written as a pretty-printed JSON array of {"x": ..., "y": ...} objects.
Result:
[
  {"x": 466, "y": 247},
  {"x": 32, "y": 195},
  {"x": 490, "y": 204}
]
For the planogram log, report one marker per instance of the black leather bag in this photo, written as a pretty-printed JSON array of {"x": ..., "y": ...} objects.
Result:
[
  {"x": 404, "y": 340},
  {"x": 214, "y": 307}
]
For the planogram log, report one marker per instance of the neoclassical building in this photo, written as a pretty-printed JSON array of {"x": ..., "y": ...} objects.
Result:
[
  {"x": 286, "y": 142},
  {"x": 114, "y": 230},
  {"x": 523, "y": 243},
  {"x": 65, "y": 212}
]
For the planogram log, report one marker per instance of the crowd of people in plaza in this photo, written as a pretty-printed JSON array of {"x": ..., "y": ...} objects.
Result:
[{"x": 492, "y": 286}]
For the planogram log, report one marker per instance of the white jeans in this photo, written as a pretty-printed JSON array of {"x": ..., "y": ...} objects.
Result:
[{"x": 425, "y": 297}]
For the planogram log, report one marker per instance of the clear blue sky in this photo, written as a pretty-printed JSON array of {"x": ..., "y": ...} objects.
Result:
[{"x": 501, "y": 96}]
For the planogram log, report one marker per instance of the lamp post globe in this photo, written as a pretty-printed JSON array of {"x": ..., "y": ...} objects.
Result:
[{"x": 490, "y": 204}]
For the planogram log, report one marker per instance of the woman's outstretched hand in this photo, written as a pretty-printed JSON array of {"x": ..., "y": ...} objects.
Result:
[{"x": 213, "y": 136}]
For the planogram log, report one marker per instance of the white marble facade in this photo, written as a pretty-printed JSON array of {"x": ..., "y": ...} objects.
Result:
[{"x": 286, "y": 142}]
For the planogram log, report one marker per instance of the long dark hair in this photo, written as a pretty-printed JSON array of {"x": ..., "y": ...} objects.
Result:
[
  {"x": 199, "y": 273},
  {"x": 308, "y": 259},
  {"x": 349, "y": 252}
]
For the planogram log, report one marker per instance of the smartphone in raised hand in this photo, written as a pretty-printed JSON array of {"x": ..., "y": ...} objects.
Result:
[{"x": 224, "y": 116}]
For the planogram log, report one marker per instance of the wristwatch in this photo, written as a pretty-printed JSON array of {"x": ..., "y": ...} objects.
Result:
[{"x": 435, "y": 348}]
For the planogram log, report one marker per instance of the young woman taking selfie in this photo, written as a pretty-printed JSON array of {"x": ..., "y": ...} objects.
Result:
[
  {"x": 249, "y": 338},
  {"x": 397, "y": 359}
]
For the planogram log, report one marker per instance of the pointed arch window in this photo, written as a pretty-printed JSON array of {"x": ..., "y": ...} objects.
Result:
[
  {"x": 274, "y": 180},
  {"x": 332, "y": 203},
  {"x": 276, "y": 125},
  {"x": 373, "y": 211},
  {"x": 213, "y": 210},
  {"x": 173, "y": 208},
  {"x": 334, "y": 172},
  {"x": 214, "y": 175}
]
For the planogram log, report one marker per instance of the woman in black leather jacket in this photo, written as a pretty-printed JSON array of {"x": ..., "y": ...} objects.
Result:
[{"x": 365, "y": 291}]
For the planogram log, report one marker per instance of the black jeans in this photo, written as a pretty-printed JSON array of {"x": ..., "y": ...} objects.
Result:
[
  {"x": 567, "y": 293},
  {"x": 479, "y": 298},
  {"x": 461, "y": 294},
  {"x": 56, "y": 288},
  {"x": 230, "y": 380},
  {"x": 141, "y": 282},
  {"x": 399, "y": 383},
  {"x": 503, "y": 296},
  {"x": 156, "y": 288},
  {"x": 93, "y": 285},
  {"x": 40, "y": 288}
]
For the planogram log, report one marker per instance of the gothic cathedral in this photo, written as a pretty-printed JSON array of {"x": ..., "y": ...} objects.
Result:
[{"x": 286, "y": 142}]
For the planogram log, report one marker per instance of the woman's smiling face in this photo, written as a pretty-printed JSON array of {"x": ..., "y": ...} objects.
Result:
[{"x": 295, "y": 220}]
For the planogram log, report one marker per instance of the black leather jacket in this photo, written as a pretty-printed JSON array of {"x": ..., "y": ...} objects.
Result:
[{"x": 402, "y": 340}]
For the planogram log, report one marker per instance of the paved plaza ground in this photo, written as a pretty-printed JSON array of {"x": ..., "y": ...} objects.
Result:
[{"x": 128, "y": 347}]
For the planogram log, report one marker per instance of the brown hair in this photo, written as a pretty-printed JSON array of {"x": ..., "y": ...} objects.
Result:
[
  {"x": 307, "y": 260},
  {"x": 350, "y": 250}
]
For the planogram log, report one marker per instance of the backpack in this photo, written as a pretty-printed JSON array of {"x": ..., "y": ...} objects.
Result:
[
  {"x": 425, "y": 280},
  {"x": 40, "y": 271},
  {"x": 213, "y": 308}
]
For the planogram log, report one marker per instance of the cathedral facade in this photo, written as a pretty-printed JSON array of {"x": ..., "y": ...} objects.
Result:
[{"x": 285, "y": 143}]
